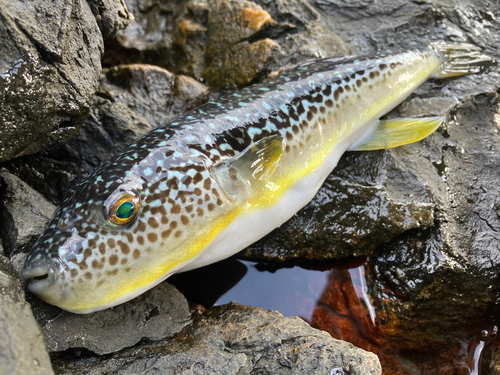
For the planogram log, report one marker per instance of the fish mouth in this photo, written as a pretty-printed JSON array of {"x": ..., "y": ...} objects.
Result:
[{"x": 40, "y": 278}]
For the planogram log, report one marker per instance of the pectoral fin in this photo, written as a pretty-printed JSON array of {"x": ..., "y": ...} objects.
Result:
[
  {"x": 397, "y": 132},
  {"x": 246, "y": 174}
]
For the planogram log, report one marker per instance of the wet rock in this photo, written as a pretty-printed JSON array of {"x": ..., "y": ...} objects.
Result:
[
  {"x": 245, "y": 43},
  {"x": 131, "y": 101},
  {"x": 169, "y": 34},
  {"x": 23, "y": 214},
  {"x": 453, "y": 267},
  {"x": 49, "y": 71},
  {"x": 22, "y": 350},
  {"x": 157, "y": 314},
  {"x": 227, "y": 43},
  {"x": 234, "y": 339},
  {"x": 111, "y": 16}
]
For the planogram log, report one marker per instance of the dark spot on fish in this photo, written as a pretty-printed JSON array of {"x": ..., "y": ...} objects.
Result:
[
  {"x": 173, "y": 224},
  {"x": 140, "y": 240},
  {"x": 233, "y": 173},
  {"x": 289, "y": 136},
  {"x": 198, "y": 192},
  {"x": 184, "y": 219},
  {"x": 141, "y": 227},
  {"x": 189, "y": 208},
  {"x": 300, "y": 109},
  {"x": 123, "y": 247},
  {"x": 74, "y": 273},
  {"x": 329, "y": 102},
  {"x": 328, "y": 90},
  {"x": 211, "y": 206},
  {"x": 102, "y": 248},
  {"x": 348, "y": 88},
  {"x": 314, "y": 109},
  {"x": 111, "y": 243},
  {"x": 136, "y": 254},
  {"x": 112, "y": 273},
  {"x": 165, "y": 234},
  {"x": 152, "y": 237},
  {"x": 124, "y": 261},
  {"x": 372, "y": 75},
  {"x": 358, "y": 83},
  {"x": 309, "y": 115},
  {"x": 178, "y": 234},
  {"x": 382, "y": 66},
  {"x": 197, "y": 177},
  {"x": 207, "y": 184},
  {"x": 153, "y": 222},
  {"x": 322, "y": 109},
  {"x": 200, "y": 212},
  {"x": 176, "y": 209},
  {"x": 364, "y": 79},
  {"x": 113, "y": 259},
  {"x": 295, "y": 129}
]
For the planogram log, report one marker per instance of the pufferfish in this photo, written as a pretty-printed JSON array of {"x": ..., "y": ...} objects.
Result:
[{"x": 207, "y": 184}]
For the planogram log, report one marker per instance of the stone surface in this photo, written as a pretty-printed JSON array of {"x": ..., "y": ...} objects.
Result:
[
  {"x": 49, "y": 71},
  {"x": 226, "y": 43},
  {"x": 22, "y": 350},
  {"x": 23, "y": 214},
  {"x": 235, "y": 339},
  {"x": 111, "y": 15},
  {"x": 157, "y": 314},
  {"x": 132, "y": 99}
]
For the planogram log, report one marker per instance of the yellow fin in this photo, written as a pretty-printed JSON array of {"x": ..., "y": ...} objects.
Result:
[
  {"x": 245, "y": 175},
  {"x": 398, "y": 132}
]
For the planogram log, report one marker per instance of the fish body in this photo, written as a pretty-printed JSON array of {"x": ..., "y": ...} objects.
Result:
[{"x": 211, "y": 182}]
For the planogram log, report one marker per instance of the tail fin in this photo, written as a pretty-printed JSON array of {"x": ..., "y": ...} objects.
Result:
[{"x": 460, "y": 59}]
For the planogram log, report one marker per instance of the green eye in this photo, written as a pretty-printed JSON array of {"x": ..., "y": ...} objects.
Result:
[
  {"x": 125, "y": 211},
  {"x": 121, "y": 207}
]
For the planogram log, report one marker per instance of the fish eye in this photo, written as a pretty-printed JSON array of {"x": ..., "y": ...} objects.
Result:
[{"x": 121, "y": 207}]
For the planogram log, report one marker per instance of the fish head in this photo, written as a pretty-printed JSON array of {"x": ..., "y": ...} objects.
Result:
[{"x": 89, "y": 239}]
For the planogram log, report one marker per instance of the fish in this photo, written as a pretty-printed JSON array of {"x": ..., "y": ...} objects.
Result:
[{"x": 209, "y": 183}]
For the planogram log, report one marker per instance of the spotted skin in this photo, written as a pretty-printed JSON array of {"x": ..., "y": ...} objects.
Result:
[{"x": 82, "y": 263}]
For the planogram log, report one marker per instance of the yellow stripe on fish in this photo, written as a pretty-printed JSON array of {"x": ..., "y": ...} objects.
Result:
[{"x": 206, "y": 185}]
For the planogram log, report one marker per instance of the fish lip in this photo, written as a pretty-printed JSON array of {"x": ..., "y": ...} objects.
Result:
[{"x": 40, "y": 277}]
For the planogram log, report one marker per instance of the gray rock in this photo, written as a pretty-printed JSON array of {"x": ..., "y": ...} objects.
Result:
[
  {"x": 21, "y": 348},
  {"x": 131, "y": 101},
  {"x": 111, "y": 16},
  {"x": 235, "y": 339},
  {"x": 157, "y": 314},
  {"x": 49, "y": 71},
  {"x": 24, "y": 212}
]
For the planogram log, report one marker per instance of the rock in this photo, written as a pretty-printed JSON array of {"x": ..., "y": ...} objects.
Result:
[
  {"x": 246, "y": 44},
  {"x": 157, "y": 314},
  {"x": 24, "y": 212},
  {"x": 21, "y": 349},
  {"x": 172, "y": 35},
  {"x": 131, "y": 101},
  {"x": 111, "y": 16},
  {"x": 50, "y": 66},
  {"x": 233, "y": 339},
  {"x": 226, "y": 43}
]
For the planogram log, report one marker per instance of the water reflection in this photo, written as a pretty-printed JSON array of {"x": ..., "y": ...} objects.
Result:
[{"x": 347, "y": 300}]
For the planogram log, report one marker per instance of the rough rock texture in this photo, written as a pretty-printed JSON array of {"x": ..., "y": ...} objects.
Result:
[
  {"x": 49, "y": 70},
  {"x": 21, "y": 348},
  {"x": 235, "y": 339},
  {"x": 227, "y": 43},
  {"x": 157, "y": 314},
  {"x": 23, "y": 214},
  {"x": 132, "y": 100},
  {"x": 111, "y": 16}
]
